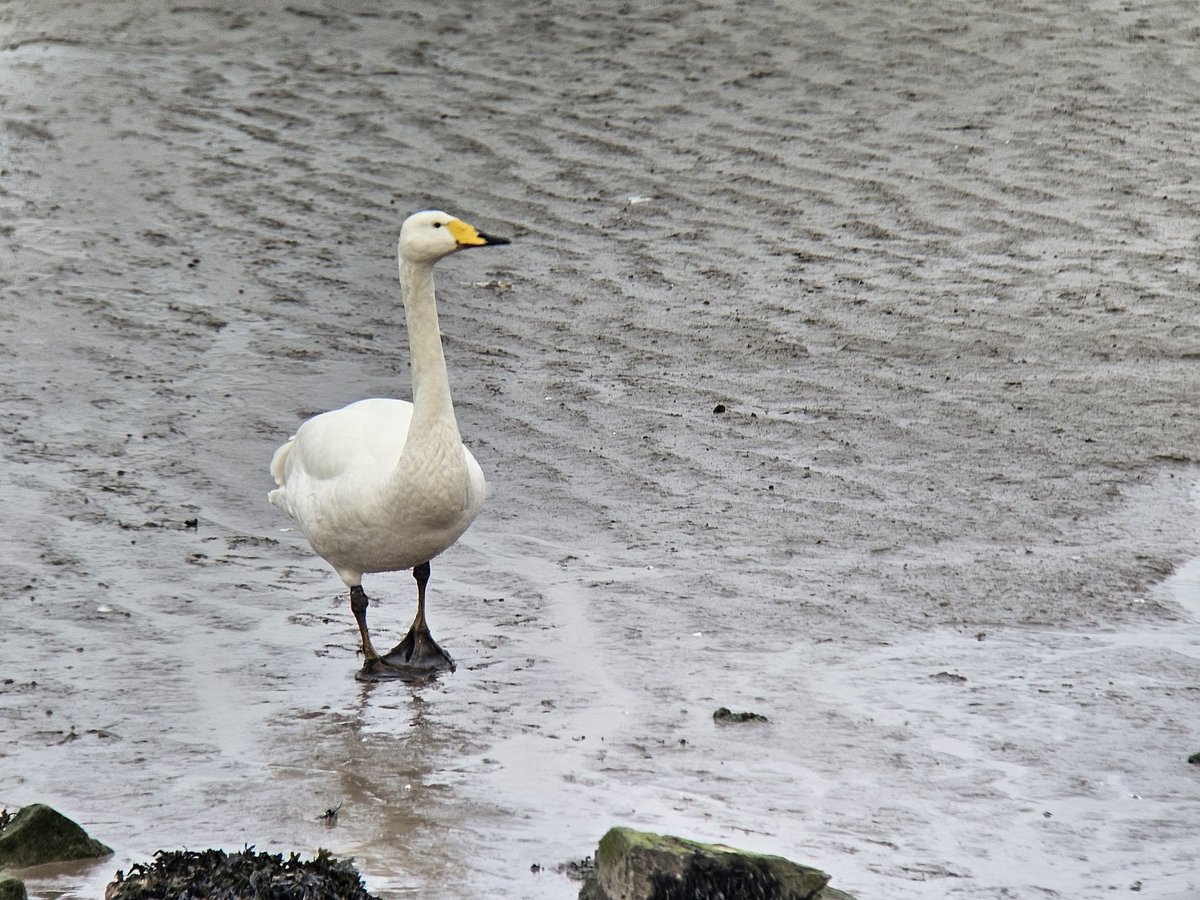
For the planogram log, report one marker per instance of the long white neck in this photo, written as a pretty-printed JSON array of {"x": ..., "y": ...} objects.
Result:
[{"x": 433, "y": 411}]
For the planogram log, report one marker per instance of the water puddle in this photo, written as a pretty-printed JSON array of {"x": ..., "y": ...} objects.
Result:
[{"x": 1184, "y": 588}]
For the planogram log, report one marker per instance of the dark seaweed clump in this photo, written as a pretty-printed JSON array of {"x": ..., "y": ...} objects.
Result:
[
  {"x": 725, "y": 714},
  {"x": 707, "y": 879},
  {"x": 216, "y": 875}
]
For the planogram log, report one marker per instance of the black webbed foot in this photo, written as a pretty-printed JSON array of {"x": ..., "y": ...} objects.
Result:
[{"x": 416, "y": 658}]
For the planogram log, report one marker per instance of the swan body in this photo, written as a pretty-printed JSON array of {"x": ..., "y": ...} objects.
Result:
[
  {"x": 366, "y": 506},
  {"x": 383, "y": 485}
]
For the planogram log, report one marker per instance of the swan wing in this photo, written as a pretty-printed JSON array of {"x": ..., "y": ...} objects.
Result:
[{"x": 362, "y": 441}]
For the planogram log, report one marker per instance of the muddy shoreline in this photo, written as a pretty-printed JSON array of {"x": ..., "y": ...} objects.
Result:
[{"x": 936, "y": 267}]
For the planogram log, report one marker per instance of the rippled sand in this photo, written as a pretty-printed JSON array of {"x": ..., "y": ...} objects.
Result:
[{"x": 935, "y": 266}]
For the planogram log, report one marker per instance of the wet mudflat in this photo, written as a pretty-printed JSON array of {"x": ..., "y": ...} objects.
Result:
[{"x": 843, "y": 370}]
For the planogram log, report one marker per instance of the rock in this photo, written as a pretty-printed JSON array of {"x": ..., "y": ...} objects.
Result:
[
  {"x": 724, "y": 714},
  {"x": 1194, "y": 759},
  {"x": 38, "y": 834},
  {"x": 949, "y": 678},
  {"x": 12, "y": 888},
  {"x": 177, "y": 874},
  {"x": 638, "y": 865}
]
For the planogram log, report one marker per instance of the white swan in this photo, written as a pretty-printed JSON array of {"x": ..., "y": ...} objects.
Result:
[{"x": 384, "y": 485}]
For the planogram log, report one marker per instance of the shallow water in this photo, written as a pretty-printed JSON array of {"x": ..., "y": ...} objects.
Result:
[
  {"x": 891, "y": 764},
  {"x": 927, "y": 263}
]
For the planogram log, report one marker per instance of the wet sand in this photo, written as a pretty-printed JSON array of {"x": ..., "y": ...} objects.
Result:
[{"x": 937, "y": 266}]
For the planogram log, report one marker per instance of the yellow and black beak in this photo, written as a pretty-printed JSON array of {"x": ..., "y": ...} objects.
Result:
[{"x": 470, "y": 236}]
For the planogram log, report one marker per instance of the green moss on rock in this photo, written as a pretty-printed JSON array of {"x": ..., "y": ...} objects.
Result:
[
  {"x": 38, "y": 835},
  {"x": 639, "y": 865},
  {"x": 12, "y": 888}
]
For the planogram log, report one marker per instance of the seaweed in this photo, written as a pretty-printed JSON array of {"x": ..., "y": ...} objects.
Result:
[{"x": 217, "y": 875}]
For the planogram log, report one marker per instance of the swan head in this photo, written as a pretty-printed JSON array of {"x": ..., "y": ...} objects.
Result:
[{"x": 429, "y": 235}]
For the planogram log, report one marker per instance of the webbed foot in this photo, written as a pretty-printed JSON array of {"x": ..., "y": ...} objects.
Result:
[
  {"x": 416, "y": 658},
  {"x": 419, "y": 651}
]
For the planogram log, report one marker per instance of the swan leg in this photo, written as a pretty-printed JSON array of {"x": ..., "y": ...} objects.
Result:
[
  {"x": 358, "y": 605},
  {"x": 419, "y": 652}
]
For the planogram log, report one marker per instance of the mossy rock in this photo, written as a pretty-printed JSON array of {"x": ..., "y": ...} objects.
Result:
[
  {"x": 638, "y": 865},
  {"x": 12, "y": 888},
  {"x": 38, "y": 834}
]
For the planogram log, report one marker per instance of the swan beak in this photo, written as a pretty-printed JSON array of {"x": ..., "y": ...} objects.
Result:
[{"x": 470, "y": 236}]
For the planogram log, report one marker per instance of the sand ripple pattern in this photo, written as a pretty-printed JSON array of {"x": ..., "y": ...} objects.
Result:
[{"x": 827, "y": 328}]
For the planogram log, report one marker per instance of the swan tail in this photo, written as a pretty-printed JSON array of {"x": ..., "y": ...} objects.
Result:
[{"x": 279, "y": 472}]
